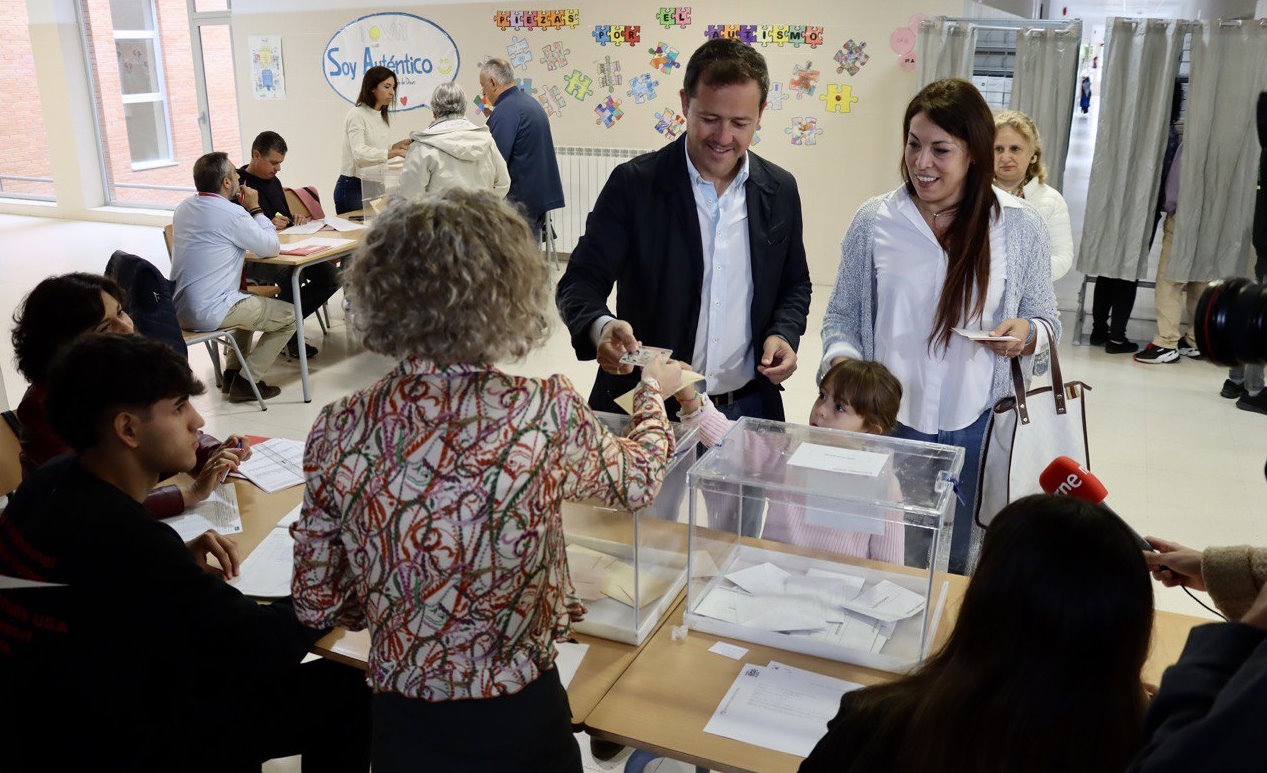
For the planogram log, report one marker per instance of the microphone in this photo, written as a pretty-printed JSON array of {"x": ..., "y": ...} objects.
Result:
[{"x": 1065, "y": 477}]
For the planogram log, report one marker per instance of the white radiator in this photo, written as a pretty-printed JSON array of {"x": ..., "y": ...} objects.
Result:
[{"x": 584, "y": 172}]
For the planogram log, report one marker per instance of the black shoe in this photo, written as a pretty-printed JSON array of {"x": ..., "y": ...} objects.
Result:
[
  {"x": 1232, "y": 390},
  {"x": 1156, "y": 355},
  {"x": 1098, "y": 337},
  {"x": 292, "y": 351},
  {"x": 1186, "y": 349},
  {"x": 226, "y": 379},
  {"x": 240, "y": 391},
  {"x": 1256, "y": 403},
  {"x": 1121, "y": 347}
]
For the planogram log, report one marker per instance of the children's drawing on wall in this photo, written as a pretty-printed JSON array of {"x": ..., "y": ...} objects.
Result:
[
  {"x": 838, "y": 98},
  {"x": 267, "y": 79},
  {"x": 525, "y": 85},
  {"x": 609, "y": 112},
  {"x": 555, "y": 19},
  {"x": 804, "y": 80},
  {"x": 642, "y": 88},
  {"x": 776, "y": 97},
  {"x": 578, "y": 85},
  {"x": 551, "y": 98},
  {"x": 756, "y": 135},
  {"x": 679, "y": 15},
  {"x": 804, "y": 131},
  {"x": 483, "y": 105},
  {"x": 766, "y": 34},
  {"x": 617, "y": 34},
  {"x": 664, "y": 58},
  {"x": 902, "y": 41},
  {"x": 851, "y": 58},
  {"x": 518, "y": 53},
  {"x": 555, "y": 56},
  {"x": 669, "y": 123},
  {"x": 608, "y": 74}
]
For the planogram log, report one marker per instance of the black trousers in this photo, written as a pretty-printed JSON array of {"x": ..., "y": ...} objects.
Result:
[
  {"x": 316, "y": 284},
  {"x": 1111, "y": 307},
  {"x": 529, "y": 731}
]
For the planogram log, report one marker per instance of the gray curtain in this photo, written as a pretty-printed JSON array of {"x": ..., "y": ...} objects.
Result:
[
  {"x": 1217, "y": 173},
  {"x": 944, "y": 49},
  {"x": 1044, "y": 87},
  {"x": 1140, "y": 63}
]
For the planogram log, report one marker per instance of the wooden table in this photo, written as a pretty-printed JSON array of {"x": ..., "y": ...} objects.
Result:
[
  {"x": 663, "y": 700},
  {"x": 298, "y": 263}
]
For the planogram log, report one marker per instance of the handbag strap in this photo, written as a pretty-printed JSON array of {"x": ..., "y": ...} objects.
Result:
[
  {"x": 1057, "y": 381},
  {"x": 1018, "y": 386}
]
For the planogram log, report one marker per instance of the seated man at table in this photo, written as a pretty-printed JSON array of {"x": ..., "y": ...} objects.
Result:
[
  {"x": 127, "y": 650},
  {"x": 317, "y": 282},
  {"x": 210, "y": 237}
]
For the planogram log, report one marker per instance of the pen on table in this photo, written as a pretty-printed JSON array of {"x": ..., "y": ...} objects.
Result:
[{"x": 237, "y": 445}]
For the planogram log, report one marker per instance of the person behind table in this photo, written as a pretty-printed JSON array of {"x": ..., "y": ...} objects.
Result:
[
  {"x": 140, "y": 652},
  {"x": 854, "y": 395},
  {"x": 452, "y": 151},
  {"x": 59, "y": 311},
  {"x": 945, "y": 250},
  {"x": 367, "y": 137},
  {"x": 432, "y": 513},
  {"x": 1042, "y": 670},
  {"x": 1019, "y": 170},
  {"x": 318, "y": 281}
]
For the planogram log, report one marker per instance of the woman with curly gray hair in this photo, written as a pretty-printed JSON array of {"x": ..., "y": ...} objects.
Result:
[
  {"x": 452, "y": 152},
  {"x": 432, "y": 510}
]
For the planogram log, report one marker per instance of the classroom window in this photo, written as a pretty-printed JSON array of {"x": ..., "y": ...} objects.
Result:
[{"x": 25, "y": 168}]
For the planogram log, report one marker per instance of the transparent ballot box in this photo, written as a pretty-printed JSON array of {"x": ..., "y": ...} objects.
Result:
[
  {"x": 378, "y": 184},
  {"x": 629, "y": 567},
  {"x": 822, "y": 541}
]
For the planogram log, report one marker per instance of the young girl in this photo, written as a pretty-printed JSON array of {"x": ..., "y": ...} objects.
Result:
[{"x": 854, "y": 395}]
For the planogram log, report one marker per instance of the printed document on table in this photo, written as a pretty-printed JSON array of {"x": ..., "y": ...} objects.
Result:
[
  {"x": 342, "y": 224},
  {"x": 778, "y": 708},
  {"x": 218, "y": 512},
  {"x": 311, "y": 227},
  {"x": 267, "y": 572},
  {"x": 275, "y": 464}
]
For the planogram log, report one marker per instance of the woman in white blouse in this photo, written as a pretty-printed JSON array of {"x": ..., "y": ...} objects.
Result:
[
  {"x": 1019, "y": 170},
  {"x": 945, "y": 250},
  {"x": 366, "y": 139}
]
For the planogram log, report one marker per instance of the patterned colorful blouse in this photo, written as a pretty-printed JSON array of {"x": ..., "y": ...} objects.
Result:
[{"x": 432, "y": 516}]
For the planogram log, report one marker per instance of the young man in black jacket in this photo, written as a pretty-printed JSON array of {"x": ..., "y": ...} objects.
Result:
[{"x": 120, "y": 647}]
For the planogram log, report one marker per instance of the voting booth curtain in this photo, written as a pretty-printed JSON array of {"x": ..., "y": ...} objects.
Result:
[{"x": 1044, "y": 85}]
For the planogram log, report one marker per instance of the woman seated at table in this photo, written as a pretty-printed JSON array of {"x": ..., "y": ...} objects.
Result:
[
  {"x": 1042, "y": 670},
  {"x": 432, "y": 512},
  {"x": 58, "y": 311}
]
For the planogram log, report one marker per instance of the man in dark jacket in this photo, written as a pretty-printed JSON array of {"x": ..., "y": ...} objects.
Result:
[
  {"x": 703, "y": 240},
  {"x": 121, "y": 647},
  {"x": 522, "y": 133}
]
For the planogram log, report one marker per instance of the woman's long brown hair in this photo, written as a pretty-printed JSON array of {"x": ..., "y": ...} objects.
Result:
[{"x": 957, "y": 107}]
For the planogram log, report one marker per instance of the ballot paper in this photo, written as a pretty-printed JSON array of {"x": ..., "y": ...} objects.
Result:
[
  {"x": 567, "y": 659},
  {"x": 981, "y": 335},
  {"x": 625, "y": 401},
  {"x": 645, "y": 356},
  {"x": 267, "y": 572},
  {"x": 311, "y": 227},
  {"x": 343, "y": 224},
  {"x": 833, "y": 459},
  {"x": 778, "y": 707},
  {"x": 761, "y": 578},
  {"x": 886, "y": 601},
  {"x": 218, "y": 512},
  {"x": 275, "y": 464},
  {"x": 596, "y": 575}
]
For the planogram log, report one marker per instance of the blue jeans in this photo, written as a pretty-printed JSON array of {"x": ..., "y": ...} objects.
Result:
[
  {"x": 347, "y": 194},
  {"x": 971, "y": 439}
]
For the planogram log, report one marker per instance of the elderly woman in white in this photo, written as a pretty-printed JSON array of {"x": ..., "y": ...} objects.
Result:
[
  {"x": 1019, "y": 170},
  {"x": 452, "y": 152}
]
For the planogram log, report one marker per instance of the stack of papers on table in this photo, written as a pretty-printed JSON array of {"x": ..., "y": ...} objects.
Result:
[
  {"x": 312, "y": 226},
  {"x": 823, "y": 605},
  {"x": 218, "y": 512},
  {"x": 314, "y": 244},
  {"x": 267, "y": 572},
  {"x": 778, "y": 707},
  {"x": 275, "y": 464}
]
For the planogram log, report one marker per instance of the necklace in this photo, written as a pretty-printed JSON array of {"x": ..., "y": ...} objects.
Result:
[{"x": 934, "y": 215}]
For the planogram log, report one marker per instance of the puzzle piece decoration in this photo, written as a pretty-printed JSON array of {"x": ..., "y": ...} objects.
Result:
[
  {"x": 642, "y": 88},
  {"x": 804, "y": 80},
  {"x": 578, "y": 85},
  {"x": 525, "y": 85},
  {"x": 765, "y": 34},
  {"x": 680, "y": 16},
  {"x": 552, "y": 100},
  {"x": 669, "y": 123},
  {"x": 851, "y": 58},
  {"x": 664, "y": 58},
  {"x": 518, "y": 53},
  {"x": 556, "y": 18},
  {"x": 608, "y": 74},
  {"x": 756, "y": 136},
  {"x": 483, "y": 105},
  {"x": 838, "y": 99},
  {"x": 804, "y": 131},
  {"x": 776, "y": 97},
  {"x": 617, "y": 34},
  {"x": 555, "y": 56},
  {"x": 609, "y": 112}
]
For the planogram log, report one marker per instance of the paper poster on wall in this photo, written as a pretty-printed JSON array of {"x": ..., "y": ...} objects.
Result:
[
  {"x": 804, "y": 80},
  {"x": 679, "y": 15},
  {"x": 418, "y": 50},
  {"x": 669, "y": 124},
  {"x": 525, "y": 85},
  {"x": 608, "y": 74},
  {"x": 642, "y": 88},
  {"x": 609, "y": 112},
  {"x": 518, "y": 53},
  {"x": 555, "y": 56},
  {"x": 838, "y": 98},
  {"x": 664, "y": 58},
  {"x": 617, "y": 34},
  {"x": 765, "y": 34},
  {"x": 267, "y": 79},
  {"x": 851, "y": 58},
  {"x": 804, "y": 131},
  {"x": 776, "y": 97},
  {"x": 551, "y": 99},
  {"x": 555, "y": 18},
  {"x": 902, "y": 41},
  {"x": 577, "y": 85}
]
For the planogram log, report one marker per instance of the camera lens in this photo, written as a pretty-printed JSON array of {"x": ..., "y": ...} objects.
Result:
[{"x": 1230, "y": 325}]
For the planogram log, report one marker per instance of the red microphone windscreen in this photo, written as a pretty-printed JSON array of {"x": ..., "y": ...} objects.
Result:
[{"x": 1066, "y": 477}]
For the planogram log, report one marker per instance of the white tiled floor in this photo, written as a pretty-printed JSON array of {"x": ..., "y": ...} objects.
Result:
[{"x": 1179, "y": 461}]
